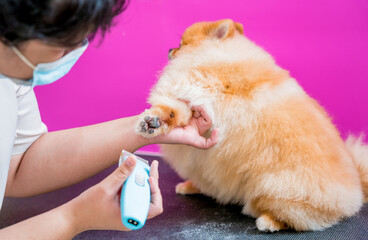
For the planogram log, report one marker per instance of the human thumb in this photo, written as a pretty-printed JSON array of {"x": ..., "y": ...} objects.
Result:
[{"x": 116, "y": 179}]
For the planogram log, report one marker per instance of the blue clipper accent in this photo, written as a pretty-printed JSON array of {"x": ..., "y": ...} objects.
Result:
[{"x": 135, "y": 194}]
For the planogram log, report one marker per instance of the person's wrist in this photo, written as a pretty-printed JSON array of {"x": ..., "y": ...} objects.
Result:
[{"x": 69, "y": 219}]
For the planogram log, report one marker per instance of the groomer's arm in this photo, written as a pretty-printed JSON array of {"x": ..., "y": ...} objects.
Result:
[
  {"x": 59, "y": 159},
  {"x": 54, "y": 224}
]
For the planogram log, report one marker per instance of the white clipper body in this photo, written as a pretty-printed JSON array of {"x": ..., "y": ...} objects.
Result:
[{"x": 135, "y": 194}]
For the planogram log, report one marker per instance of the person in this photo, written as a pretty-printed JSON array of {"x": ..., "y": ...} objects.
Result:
[{"x": 39, "y": 43}]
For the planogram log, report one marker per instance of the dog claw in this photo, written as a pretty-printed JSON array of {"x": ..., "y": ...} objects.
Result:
[
  {"x": 154, "y": 123},
  {"x": 150, "y": 131}
]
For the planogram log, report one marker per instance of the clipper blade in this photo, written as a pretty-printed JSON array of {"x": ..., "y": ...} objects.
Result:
[{"x": 124, "y": 154}]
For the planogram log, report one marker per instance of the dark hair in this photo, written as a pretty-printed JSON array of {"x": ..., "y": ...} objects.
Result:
[{"x": 64, "y": 22}]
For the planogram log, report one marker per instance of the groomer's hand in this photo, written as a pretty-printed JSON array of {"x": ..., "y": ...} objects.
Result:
[
  {"x": 98, "y": 208},
  {"x": 156, "y": 198},
  {"x": 192, "y": 134}
]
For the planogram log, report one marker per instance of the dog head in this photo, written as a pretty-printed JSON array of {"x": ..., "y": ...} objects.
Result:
[{"x": 202, "y": 31}]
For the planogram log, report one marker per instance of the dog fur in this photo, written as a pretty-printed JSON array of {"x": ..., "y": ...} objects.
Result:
[{"x": 278, "y": 153}]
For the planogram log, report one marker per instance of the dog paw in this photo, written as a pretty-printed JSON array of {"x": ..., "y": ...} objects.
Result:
[
  {"x": 267, "y": 223},
  {"x": 186, "y": 188},
  {"x": 161, "y": 119},
  {"x": 149, "y": 125}
]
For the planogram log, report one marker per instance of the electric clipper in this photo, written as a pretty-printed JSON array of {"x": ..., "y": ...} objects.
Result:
[{"x": 135, "y": 194}]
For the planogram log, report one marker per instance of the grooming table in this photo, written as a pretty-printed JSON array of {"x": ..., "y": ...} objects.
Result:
[{"x": 185, "y": 217}]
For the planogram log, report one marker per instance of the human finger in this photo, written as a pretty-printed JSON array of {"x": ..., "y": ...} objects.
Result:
[
  {"x": 156, "y": 206},
  {"x": 154, "y": 171},
  {"x": 199, "y": 111},
  {"x": 116, "y": 179},
  {"x": 206, "y": 143}
]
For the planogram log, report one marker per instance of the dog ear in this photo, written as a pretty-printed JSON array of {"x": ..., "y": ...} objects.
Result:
[
  {"x": 226, "y": 28},
  {"x": 239, "y": 28},
  {"x": 223, "y": 29}
]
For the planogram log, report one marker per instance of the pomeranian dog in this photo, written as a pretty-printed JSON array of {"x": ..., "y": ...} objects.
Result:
[{"x": 278, "y": 154}]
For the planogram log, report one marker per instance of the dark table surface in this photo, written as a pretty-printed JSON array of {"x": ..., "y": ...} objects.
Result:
[{"x": 184, "y": 217}]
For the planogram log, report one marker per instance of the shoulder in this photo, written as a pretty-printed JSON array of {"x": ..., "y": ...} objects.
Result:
[{"x": 8, "y": 96}]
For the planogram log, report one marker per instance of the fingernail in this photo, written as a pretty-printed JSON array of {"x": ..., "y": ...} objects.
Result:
[{"x": 130, "y": 161}]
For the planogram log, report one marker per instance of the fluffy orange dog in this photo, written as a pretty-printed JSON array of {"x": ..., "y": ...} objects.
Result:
[{"x": 278, "y": 153}]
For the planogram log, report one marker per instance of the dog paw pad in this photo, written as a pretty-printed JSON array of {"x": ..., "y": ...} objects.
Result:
[{"x": 149, "y": 124}]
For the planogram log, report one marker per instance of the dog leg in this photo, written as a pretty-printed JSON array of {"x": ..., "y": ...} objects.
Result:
[
  {"x": 161, "y": 119},
  {"x": 186, "y": 188},
  {"x": 250, "y": 210}
]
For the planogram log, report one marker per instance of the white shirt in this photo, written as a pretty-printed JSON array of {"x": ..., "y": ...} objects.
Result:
[{"x": 20, "y": 123}]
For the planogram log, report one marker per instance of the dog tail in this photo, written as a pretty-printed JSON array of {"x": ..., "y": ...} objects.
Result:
[{"x": 359, "y": 151}]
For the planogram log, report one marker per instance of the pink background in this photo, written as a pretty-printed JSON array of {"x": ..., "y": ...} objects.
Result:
[{"x": 324, "y": 45}]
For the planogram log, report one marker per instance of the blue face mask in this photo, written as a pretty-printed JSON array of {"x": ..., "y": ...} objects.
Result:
[{"x": 46, "y": 73}]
